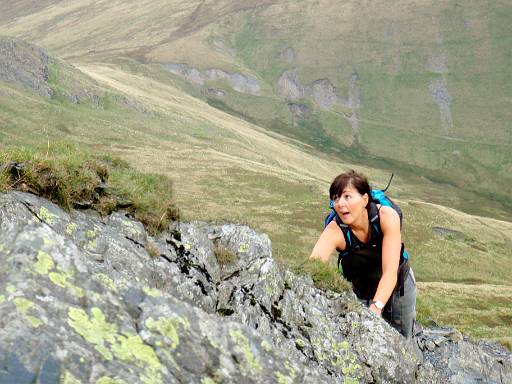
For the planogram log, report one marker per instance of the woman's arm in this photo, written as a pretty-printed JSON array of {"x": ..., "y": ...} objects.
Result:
[
  {"x": 391, "y": 246},
  {"x": 330, "y": 239}
]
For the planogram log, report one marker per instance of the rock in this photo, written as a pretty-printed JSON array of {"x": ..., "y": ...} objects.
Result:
[
  {"x": 446, "y": 232},
  {"x": 81, "y": 300},
  {"x": 323, "y": 93},
  {"x": 237, "y": 81},
  {"x": 25, "y": 64},
  {"x": 300, "y": 111},
  {"x": 288, "y": 54},
  {"x": 289, "y": 86}
]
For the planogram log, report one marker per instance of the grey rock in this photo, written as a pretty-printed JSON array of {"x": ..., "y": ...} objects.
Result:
[
  {"x": 300, "y": 111},
  {"x": 289, "y": 86},
  {"x": 237, "y": 81},
  {"x": 66, "y": 314},
  {"x": 25, "y": 64},
  {"x": 437, "y": 64},
  {"x": 288, "y": 54},
  {"x": 447, "y": 232},
  {"x": 442, "y": 98},
  {"x": 323, "y": 93}
]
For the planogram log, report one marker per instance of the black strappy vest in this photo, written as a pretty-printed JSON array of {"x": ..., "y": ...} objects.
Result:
[{"x": 361, "y": 263}]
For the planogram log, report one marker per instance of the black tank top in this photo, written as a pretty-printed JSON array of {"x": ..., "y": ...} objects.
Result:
[{"x": 361, "y": 263}]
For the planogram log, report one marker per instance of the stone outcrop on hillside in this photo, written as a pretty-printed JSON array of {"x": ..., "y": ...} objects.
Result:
[
  {"x": 25, "y": 64},
  {"x": 237, "y": 81},
  {"x": 89, "y": 299}
]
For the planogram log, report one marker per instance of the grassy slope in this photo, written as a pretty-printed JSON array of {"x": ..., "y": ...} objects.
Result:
[{"x": 227, "y": 169}]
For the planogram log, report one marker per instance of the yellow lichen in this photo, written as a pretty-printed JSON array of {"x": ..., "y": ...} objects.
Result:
[
  {"x": 68, "y": 378},
  {"x": 153, "y": 292},
  {"x": 10, "y": 288},
  {"x": 282, "y": 379},
  {"x": 266, "y": 345},
  {"x": 167, "y": 327},
  {"x": 107, "y": 281},
  {"x": 2, "y": 299},
  {"x": 45, "y": 215},
  {"x": 23, "y": 306},
  {"x": 207, "y": 380},
  {"x": 109, "y": 380},
  {"x": 34, "y": 321},
  {"x": 94, "y": 330},
  {"x": 43, "y": 264},
  {"x": 71, "y": 228},
  {"x": 187, "y": 246},
  {"x": 243, "y": 248},
  {"x": 252, "y": 363},
  {"x": 109, "y": 343}
]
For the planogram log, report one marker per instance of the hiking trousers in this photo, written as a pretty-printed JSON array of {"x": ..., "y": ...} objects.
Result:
[{"x": 400, "y": 311}]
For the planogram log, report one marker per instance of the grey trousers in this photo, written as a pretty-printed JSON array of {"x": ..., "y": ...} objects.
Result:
[{"x": 400, "y": 311}]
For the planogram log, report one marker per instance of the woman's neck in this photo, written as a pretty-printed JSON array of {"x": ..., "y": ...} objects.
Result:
[{"x": 361, "y": 224}]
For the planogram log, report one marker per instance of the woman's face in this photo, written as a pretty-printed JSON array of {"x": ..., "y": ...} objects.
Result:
[{"x": 350, "y": 205}]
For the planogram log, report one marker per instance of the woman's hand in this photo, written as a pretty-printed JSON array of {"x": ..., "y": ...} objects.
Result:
[{"x": 375, "y": 310}]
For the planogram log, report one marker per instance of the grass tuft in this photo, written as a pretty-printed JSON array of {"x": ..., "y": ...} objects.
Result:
[
  {"x": 223, "y": 255},
  {"x": 325, "y": 276},
  {"x": 74, "y": 177}
]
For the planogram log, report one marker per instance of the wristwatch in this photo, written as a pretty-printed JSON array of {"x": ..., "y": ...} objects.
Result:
[{"x": 378, "y": 304}]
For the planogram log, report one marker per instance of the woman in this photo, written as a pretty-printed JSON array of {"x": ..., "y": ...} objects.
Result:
[{"x": 372, "y": 255}]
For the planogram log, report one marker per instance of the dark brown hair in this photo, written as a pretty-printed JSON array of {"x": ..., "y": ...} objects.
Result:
[{"x": 350, "y": 178}]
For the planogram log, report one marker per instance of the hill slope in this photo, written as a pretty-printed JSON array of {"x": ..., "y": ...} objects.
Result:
[{"x": 358, "y": 78}]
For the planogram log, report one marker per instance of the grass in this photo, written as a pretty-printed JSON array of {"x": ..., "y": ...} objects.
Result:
[
  {"x": 73, "y": 177},
  {"x": 480, "y": 311}
]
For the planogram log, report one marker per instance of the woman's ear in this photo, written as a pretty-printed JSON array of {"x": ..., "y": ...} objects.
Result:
[{"x": 366, "y": 199}]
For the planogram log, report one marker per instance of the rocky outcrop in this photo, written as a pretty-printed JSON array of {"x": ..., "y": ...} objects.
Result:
[
  {"x": 324, "y": 94},
  {"x": 439, "y": 92},
  {"x": 25, "y": 64},
  {"x": 90, "y": 299},
  {"x": 237, "y": 81}
]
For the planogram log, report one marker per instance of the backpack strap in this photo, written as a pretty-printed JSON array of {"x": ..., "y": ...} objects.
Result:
[
  {"x": 348, "y": 241},
  {"x": 374, "y": 219}
]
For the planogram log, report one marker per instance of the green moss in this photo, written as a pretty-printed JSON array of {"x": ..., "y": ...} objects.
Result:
[
  {"x": 71, "y": 228},
  {"x": 2, "y": 299},
  {"x": 350, "y": 380},
  {"x": 90, "y": 234},
  {"x": 167, "y": 327},
  {"x": 207, "y": 380},
  {"x": 252, "y": 363},
  {"x": 44, "y": 263},
  {"x": 46, "y": 216}
]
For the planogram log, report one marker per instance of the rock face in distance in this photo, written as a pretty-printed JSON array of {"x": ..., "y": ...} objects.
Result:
[
  {"x": 82, "y": 300},
  {"x": 25, "y": 64}
]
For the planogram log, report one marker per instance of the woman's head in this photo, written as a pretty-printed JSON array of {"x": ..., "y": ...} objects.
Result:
[{"x": 351, "y": 193}]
